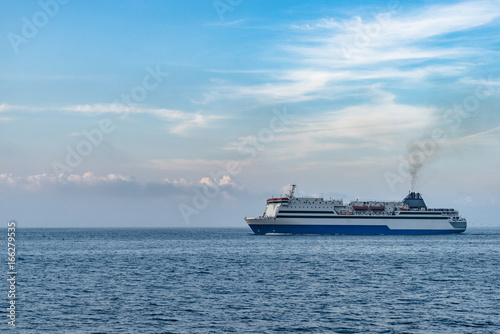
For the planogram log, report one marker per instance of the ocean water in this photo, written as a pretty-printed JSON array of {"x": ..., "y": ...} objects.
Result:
[{"x": 231, "y": 281}]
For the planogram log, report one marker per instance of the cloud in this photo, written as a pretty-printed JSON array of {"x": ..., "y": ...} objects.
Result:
[
  {"x": 490, "y": 84},
  {"x": 328, "y": 58},
  {"x": 311, "y": 84},
  {"x": 323, "y": 23},
  {"x": 442, "y": 19},
  {"x": 87, "y": 183},
  {"x": 192, "y": 164},
  {"x": 379, "y": 126},
  {"x": 349, "y": 133},
  {"x": 111, "y": 185},
  {"x": 194, "y": 122},
  {"x": 123, "y": 109},
  {"x": 398, "y": 34},
  {"x": 183, "y": 122},
  {"x": 4, "y": 107},
  {"x": 225, "y": 180},
  {"x": 489, "y": 137}
]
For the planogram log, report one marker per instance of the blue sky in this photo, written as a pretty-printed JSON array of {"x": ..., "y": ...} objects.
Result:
[{"x": 129, "y": 113}]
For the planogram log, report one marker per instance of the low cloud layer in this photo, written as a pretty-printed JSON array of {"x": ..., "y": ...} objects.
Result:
[{"x": 108, "y": 185}]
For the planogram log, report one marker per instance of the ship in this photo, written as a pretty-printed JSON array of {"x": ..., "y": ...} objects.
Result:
[{"x": 314, "y": 215}]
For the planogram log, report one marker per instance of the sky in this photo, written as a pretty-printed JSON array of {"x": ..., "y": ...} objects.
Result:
[{"x": 193, "y": 113}]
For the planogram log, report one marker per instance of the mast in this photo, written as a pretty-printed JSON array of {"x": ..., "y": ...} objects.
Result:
[{"x": 290, "y": 194}]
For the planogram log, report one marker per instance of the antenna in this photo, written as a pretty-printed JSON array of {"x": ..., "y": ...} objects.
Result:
[{"x": 290, "y": 194}]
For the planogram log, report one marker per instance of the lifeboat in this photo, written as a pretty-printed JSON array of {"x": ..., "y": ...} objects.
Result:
[
  {"x": 278, "y": 200},
  {"x": 377, "y": 207},
  {"x": 360, "y": 207}
]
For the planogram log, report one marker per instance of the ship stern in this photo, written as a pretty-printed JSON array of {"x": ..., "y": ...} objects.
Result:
[{"x": 459, "y": 226}]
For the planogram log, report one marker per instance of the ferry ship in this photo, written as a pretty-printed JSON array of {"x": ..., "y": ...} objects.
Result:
[{"x": 312, "y": 215}]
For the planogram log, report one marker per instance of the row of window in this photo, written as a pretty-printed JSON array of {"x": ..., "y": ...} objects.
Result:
[{"x": 310, "y": 207}]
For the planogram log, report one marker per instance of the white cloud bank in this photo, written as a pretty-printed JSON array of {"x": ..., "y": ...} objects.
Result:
[{"x": 109, "y": 185}]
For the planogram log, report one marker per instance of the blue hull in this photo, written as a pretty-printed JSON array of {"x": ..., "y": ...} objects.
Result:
[{"x": 341, "y": 229}]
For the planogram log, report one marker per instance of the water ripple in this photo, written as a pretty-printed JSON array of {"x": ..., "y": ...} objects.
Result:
[{"x": 230, "y": 281}]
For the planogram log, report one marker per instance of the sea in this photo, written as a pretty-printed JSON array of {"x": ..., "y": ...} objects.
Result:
[{"x": 228, "y": 280}]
